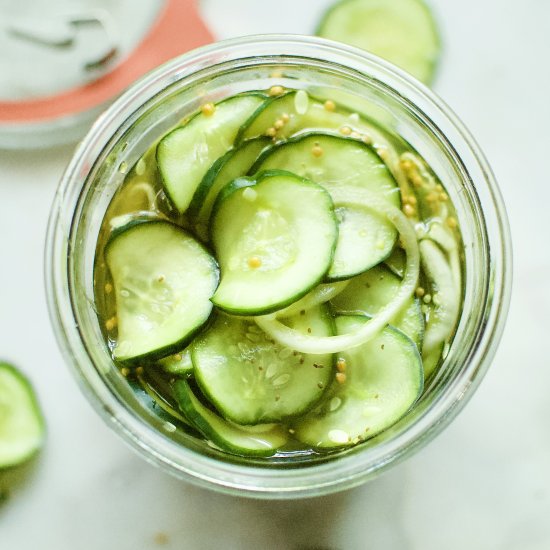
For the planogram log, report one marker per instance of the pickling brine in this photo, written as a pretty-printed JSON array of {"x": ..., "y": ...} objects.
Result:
[{"x": 279, "y": 275}]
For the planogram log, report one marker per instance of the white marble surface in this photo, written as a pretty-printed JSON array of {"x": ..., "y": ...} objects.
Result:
[{"x": 483, "y": 484}]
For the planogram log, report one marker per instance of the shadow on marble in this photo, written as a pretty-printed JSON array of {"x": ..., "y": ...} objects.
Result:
[{"x": 148, "y": 508}]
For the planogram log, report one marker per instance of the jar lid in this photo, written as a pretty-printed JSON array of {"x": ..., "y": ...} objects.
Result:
[{"x": 34, "y": 119}]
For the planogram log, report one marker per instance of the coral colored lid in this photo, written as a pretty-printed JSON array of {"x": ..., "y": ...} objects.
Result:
[{"x": 177, "y": 29}]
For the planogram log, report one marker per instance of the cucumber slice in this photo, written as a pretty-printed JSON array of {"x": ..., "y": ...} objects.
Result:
[
  {"x": 274, "y": 237},
  {"x": 235, "y": 163},
  {"x": 338, "y": 163},
  {"x": 283, "y": 116},
  {"x": 383, "y": 380},
  {"x": 370, "y": 292},
  {"x": 163, "y": 280},
  {"x": 179, "y": 363},
  {"x": 401, "y": 31},
  {"x": 335, "y": 162},
  {"x": 226, "y": 435},
  {"x": 185, "y": 155},
  {"x": 250, "y": 379},
  {"x": 161, "y": 396},
  {"x": 364, "y": 240},
  {"x": 22, "y": 426}
]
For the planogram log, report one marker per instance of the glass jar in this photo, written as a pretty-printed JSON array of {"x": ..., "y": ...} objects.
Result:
[{"x": 154, "y": 105}]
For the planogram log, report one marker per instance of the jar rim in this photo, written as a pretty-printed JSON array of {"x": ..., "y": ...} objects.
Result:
[{"x": 234, "y": 478}]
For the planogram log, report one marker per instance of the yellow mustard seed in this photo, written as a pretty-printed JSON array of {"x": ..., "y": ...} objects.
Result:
[
  {"x": 416, "y": 180},
  {"x": 443, "y": 197},
  {"x": 125, "y": 371},
  {"x": 317, "y": 151},
  {"x": 276, "y": 90},
  {"x": 177, "y": 357},
  {"x": 356, "y": 135},
  {"x": 111, "y": 323},
  {"x": 271, "y": 132},
  {"x": 330, "y": 105},
  {"x": 285, "y": 117},
  {"x": 208, "y": 109},
  {"x": 254, "y": 262},
  {"x": 345, "y": 130},
  {"x": 432, "y": 197},
  {"x": 278, "y": 124},
  {"x": 451, "y": 222},
  {"x": 427, "y": 299},
  {"x": 412, "y": 200},
  {"x": 341, "y": 364},
  {"x": 420, "y": 292},
  {"x": 139, "y": 371},
  {"x": 409, "y": 210},
  {"x": 405, "y": 164},
  {"x": 340, "y": 377},
  {"x": 108, "y": 288}
]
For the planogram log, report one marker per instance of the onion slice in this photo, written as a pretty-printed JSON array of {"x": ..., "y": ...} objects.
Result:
[{"x": 319, "y": 295}]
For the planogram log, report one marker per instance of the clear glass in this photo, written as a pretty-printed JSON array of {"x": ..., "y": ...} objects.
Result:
[{"x": 155, "y": 104}]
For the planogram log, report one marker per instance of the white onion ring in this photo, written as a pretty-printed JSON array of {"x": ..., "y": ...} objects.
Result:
[{"x": 319, "y": 295}]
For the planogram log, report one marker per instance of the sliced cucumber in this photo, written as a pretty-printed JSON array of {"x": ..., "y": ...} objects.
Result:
[
  {"x": 283, "y": 116},
  {"x": 364, "y": 240},
  {"x": 401, "y": 31},
  {"x": 274, "y": 237},
  {"x": 370, "y": 292},
  {"x": 186, "y": 154},
  {"x": 235, "y": 163},
  {"x": 179, "y": 363},
  {"x": 335, "y": 162},
  {"x": 383, "y": 380},
  {"x": 161, "y": 395},
  {"x": 22, "y": 426},
  {"x": 250, "y": 379},
  {"x": 339, "y": 163},
  {"x": 163, "y": 280},
  {"x": 226, "y": 435}
]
